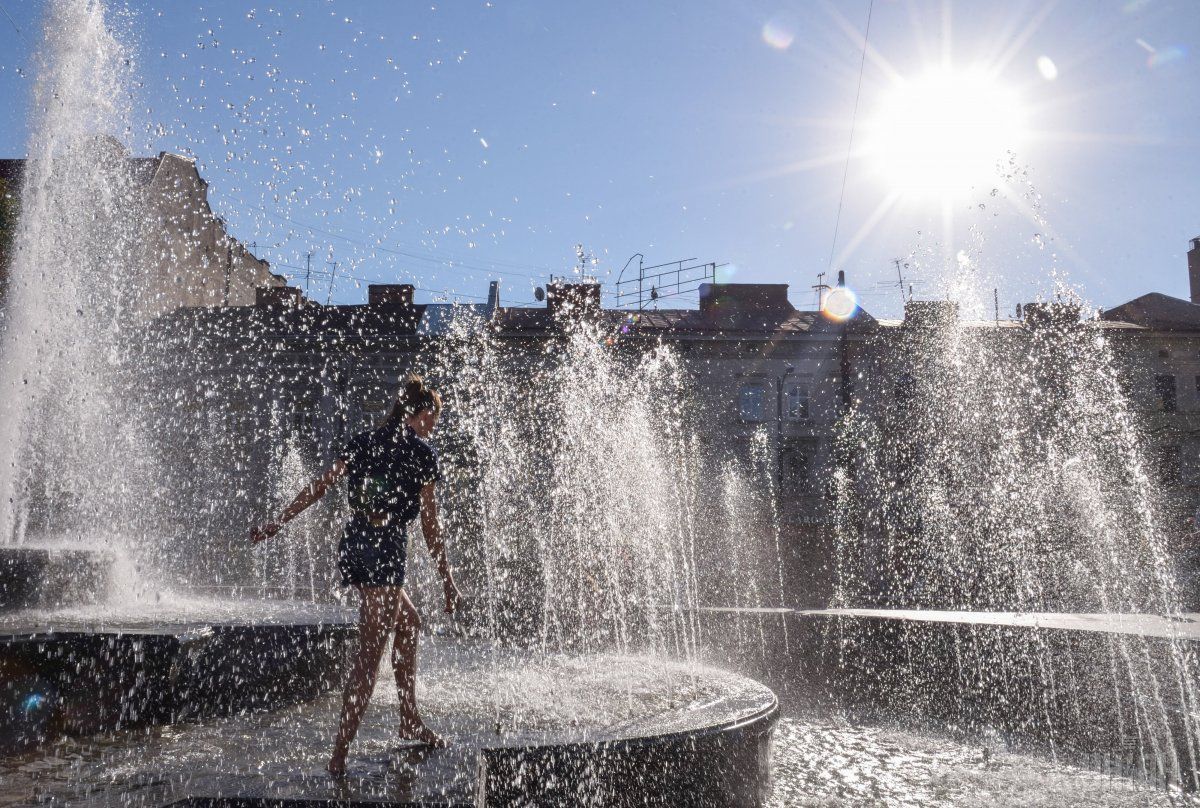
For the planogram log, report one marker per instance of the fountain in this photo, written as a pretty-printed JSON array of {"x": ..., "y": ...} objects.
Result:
[
  {"x": 150, "y": 656},
  {"x": 599, "y": 696},
  {"x": 1003, "y": 561}
]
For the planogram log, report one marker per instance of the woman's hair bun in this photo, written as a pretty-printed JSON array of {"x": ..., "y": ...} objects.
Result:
[
  {"x": 414, "y": 385},
  {"x": 415, "y": 396}
]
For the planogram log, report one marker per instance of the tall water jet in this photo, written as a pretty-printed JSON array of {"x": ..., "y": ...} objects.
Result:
[
  {"x": 592, "y": 515},
  {"x": 998, "y": 467},
  {"x": 74, "y": 463}
]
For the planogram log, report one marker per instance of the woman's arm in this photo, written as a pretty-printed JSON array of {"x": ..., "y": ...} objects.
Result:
[
  {"x": 432, "y": 529},
  {"x": 308, "y": 495}
]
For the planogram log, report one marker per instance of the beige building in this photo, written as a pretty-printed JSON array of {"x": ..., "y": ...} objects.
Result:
[
  {"x": 190, "y": 257},
  {"x": 1162, "y": 360}
]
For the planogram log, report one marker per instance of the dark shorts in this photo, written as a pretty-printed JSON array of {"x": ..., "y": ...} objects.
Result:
[{"x": 372, "y": 556}]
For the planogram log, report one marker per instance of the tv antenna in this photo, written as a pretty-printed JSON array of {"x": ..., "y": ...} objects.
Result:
[
  {"x": 900, "y": 280},
  {"x": 653, "y": 283},
  {"x": 820, "y": 287}
]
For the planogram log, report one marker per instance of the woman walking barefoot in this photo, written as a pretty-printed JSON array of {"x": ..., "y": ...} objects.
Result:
[{"x": 392, "y": 471}]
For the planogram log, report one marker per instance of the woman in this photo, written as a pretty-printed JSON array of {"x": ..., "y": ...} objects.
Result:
[{"x": 392, "y": 471}]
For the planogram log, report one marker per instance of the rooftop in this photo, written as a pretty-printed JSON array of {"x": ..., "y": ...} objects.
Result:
[{"x": 1157, "y": 311}]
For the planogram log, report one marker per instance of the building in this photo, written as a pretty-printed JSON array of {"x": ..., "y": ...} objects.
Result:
[
  {"x": 762, "y": 373},
  {"x": 190, "y": 258},
  {"x": 248, "y": 379},
  {"x": 1162, "y": 358}
]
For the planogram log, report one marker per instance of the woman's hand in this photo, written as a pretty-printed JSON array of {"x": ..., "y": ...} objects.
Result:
[
  {"x": 264, "y": 531},
  {"x": 453, "y": 596}
]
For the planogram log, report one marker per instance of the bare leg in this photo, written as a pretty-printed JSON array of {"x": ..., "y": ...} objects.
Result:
[
  {"x": 377, "y": 617},
  {"x": 404, "y": 665}
]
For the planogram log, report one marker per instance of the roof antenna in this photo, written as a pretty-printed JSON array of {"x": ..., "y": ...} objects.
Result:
[{"x": 900, "y": 281}]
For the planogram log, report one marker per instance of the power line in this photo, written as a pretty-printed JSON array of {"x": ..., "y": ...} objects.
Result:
[
  {"x": 321, "y": 273},
  {"x": 850, "y": 145},
  {"x": 16, "y": 27},
  {"x": 429, "y": 257}
]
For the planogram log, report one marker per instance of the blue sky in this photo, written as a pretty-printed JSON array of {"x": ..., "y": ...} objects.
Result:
[{"x": 451, "y": 143}]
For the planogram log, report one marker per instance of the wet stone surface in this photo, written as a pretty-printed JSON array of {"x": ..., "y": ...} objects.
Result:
[
  {"x": 831, "y": 764},
  {"x": 475, "y": 700}
]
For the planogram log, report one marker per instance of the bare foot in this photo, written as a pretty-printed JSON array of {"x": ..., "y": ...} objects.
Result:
[{"x": 422, "y": 734}]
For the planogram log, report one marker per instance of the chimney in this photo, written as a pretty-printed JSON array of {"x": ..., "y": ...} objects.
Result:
[
  {"x": 493, "y": 296},
  {"x": 390, "y": 295},
  {"x": 1194, "y": 269},
  {"x": 572, "y": 299},
  {"x": 1051, "y": 313},
  {"x": 744, "y": 297},
  {"x": 930, "y": 313},
  {"x": 278, "y": 297}
]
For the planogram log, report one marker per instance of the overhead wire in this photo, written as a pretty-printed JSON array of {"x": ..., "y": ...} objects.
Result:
[
  {"x": 16, "y": 27},
  {"x": 450, "y": 262},
  {"x": 850, "y": 145},
  {"x": 323, "y": 273}
]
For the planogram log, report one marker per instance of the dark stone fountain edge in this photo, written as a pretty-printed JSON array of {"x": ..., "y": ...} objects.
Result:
[
  {"x": 722, "y": 764},
  {"x": 82, "y": 682}
]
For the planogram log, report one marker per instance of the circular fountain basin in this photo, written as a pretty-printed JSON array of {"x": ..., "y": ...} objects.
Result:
[
  {"x": 522, "y": 728},
  {"x": 114, "y": 666},
  {"x": 47, "y": 577}
]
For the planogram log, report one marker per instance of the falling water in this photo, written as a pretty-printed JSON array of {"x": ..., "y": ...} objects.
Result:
[
  {"x": 294, "y": 565},
  {"x": 999, "y": 467},
  {"x": 586, "y": 505},
  {"x": 75, "y": 466}
]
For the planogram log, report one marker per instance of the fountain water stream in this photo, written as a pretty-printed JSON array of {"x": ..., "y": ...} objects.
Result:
[
  {"x": 75, "y": 464},
  {"x": 1000, "y": 468}
]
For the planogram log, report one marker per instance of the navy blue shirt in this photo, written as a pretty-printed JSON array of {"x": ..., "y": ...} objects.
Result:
[{"x": 387, "y": 468}]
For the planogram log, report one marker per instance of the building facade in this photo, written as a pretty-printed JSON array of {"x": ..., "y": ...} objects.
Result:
[
  {"x": 187, "y": 255},
  {"x": 765, "y": 377}
]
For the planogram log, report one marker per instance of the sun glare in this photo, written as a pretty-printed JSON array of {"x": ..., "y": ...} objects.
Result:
[
  {"x": 839, "y": 304},
  {"x": 944, "y": 133}
]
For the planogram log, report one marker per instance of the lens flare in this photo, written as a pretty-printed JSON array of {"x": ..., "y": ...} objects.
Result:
[
  {"x": 839, "y": 304},
  {"x": 1047, "y": 68},
  {"x": 779, "y": 33},
  {"x": 1164, "y": 56}
]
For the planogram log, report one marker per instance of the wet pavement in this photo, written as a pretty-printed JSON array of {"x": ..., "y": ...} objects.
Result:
[
  {"x": 474, "y": 700},
  {"x": 831, "y": 764}
]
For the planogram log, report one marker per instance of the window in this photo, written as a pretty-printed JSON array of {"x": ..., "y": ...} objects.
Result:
[
  {"x": 1164, "y": 387},
  {"x": 1189, "y": 467},
  {"x": 796, "y": 402},
  {"x": 752, "y": 402}
]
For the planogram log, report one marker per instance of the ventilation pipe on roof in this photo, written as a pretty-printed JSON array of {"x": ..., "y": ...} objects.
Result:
[
  {"x": 572, "y": 299},
  {"x": 1194, "y": 269}
]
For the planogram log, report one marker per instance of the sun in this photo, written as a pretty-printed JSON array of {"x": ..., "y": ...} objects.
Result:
[{"x": 944, "y": 133}]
